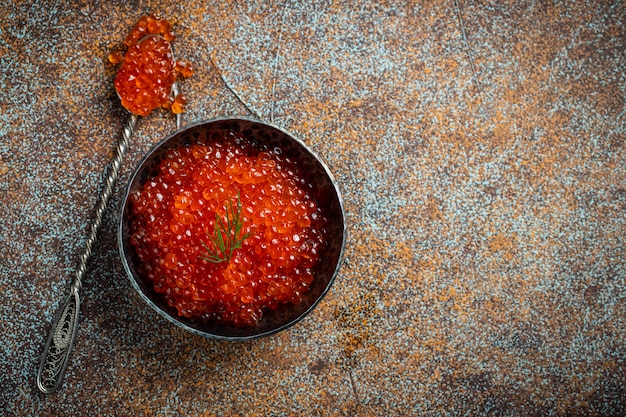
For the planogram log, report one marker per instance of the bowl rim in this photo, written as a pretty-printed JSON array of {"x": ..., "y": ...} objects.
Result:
[{"x": 156, "y": 147}]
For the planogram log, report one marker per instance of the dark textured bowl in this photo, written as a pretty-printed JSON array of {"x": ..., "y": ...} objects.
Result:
[{"x": 325, "y": 191}]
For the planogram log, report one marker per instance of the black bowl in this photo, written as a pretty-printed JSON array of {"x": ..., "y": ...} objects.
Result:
[{"x": 325, "y": 191}]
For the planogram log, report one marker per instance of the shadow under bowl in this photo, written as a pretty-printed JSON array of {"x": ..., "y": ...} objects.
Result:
[{"x": 325, "y": 191}]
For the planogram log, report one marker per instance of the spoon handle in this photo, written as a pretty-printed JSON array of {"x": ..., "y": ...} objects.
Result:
[{"x": 65, "y": 324}]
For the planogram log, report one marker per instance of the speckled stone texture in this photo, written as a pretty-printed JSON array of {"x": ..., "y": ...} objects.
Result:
[{"x": 479, "y": 145}]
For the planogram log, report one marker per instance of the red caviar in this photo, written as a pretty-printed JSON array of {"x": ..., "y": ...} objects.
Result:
[
  {"x": 148, "y": 71},
  {"x": 175, "y": 214}
]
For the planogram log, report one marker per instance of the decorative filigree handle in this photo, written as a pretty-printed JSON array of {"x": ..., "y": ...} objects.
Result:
[{"x": 61, "y": 339}]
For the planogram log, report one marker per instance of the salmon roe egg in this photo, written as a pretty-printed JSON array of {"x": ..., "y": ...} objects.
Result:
[
  {"x": 144, "y": 80},
  {"x": 174, "y": 215}
]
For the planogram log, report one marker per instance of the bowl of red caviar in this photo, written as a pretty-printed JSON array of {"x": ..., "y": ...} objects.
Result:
[{"x": 232, "y": 228}]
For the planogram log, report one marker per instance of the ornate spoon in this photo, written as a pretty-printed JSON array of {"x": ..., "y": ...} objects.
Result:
[{"x": 57, "y": 350}]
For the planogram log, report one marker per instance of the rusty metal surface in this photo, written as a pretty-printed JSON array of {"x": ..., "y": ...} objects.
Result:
[{"x": 480, "y": 148}]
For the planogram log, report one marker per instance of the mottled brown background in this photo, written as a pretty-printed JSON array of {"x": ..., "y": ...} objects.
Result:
[{"x": 479, "y": 145}]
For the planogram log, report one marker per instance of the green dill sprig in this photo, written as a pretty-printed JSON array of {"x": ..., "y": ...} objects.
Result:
[{"x": 225, "y": 238}]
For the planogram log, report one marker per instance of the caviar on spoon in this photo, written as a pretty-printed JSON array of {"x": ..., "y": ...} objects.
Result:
[
  {"x": 148, "y": 72},
  {"x": 145, "y": 81}
]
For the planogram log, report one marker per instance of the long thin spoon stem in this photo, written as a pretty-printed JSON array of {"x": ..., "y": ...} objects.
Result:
[{"x": 65, "y": 324}]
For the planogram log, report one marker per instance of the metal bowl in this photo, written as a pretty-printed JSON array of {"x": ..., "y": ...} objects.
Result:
[{"x": 325, "y": 191}]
